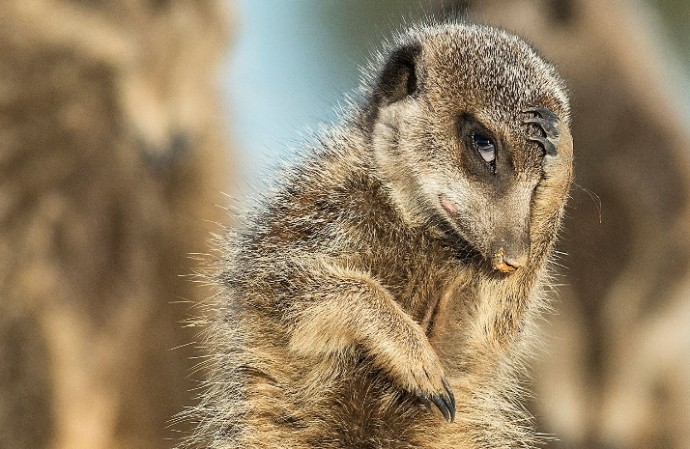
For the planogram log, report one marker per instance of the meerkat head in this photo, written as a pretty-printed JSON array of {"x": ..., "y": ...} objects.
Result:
[{"x": 452, "y": 121}]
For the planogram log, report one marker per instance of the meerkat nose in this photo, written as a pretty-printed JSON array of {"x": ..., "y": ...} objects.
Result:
[{"x": 505, "y": 263}]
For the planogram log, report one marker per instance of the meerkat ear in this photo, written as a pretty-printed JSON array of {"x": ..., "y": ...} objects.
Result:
[{"x": 398, "y": 79}]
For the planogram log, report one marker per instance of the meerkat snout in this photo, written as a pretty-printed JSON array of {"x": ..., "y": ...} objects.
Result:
[
  {"x": 503, "y": 238},
  {"x": 510, "y": 252}
]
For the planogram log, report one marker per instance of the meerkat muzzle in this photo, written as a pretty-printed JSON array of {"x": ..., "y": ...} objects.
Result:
[{"x": 506, "y": 264}]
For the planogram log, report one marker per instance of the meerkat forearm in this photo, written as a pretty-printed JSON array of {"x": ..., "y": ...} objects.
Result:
[{"x": 347, "y": 309}]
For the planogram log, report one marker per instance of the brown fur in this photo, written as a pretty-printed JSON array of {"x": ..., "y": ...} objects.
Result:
[
  {"x": 351, "y": 293},
  {"x": 616, "y": 373},
  {"x": 109, "y": 156}
]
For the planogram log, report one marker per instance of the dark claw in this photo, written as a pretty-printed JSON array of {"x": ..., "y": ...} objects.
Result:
[
  {"x": 549, "y": 147},
  {"x": 444, "y": 402},
  {"x": 548, "y": 126},
  {"x": 443, "y": 406},
  {"x": 544, "y": 113},
  {"x": 452, "y": 398}
]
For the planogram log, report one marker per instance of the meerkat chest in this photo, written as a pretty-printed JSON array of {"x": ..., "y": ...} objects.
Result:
[
  {"x": 463, "y": 307},
  {"x": 416, "y": 280}
]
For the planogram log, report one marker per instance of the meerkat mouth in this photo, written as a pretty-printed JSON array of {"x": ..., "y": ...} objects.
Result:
[{"x": 506, "y": 264}]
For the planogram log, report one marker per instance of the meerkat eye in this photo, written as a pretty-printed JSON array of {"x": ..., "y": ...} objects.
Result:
[{"x": 485, "y": 147}]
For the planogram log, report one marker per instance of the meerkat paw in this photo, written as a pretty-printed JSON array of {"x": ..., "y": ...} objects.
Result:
[{"x": 422, "y": 375}]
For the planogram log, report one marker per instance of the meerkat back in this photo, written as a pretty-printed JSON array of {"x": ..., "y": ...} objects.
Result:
[{"x": 384, "y": 294}]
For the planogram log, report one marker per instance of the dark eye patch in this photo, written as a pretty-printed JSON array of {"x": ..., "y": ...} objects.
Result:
[{"x": 479, "y": 140}]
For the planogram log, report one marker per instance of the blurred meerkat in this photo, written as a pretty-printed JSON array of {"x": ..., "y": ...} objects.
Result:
[
  {"x": 616, "y": 373},
  {"x": 400, "y": 263},
  {"x": 111, "y": 154}
]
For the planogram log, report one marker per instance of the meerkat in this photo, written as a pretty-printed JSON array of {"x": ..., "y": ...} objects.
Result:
[{"x": 384, "y": 293}]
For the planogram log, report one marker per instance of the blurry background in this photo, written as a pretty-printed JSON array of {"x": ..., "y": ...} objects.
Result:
[
  {"x": 113, "y": 153},
  {"x": 114, "y": 148},
  {"x": 293, "y": 62}
]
